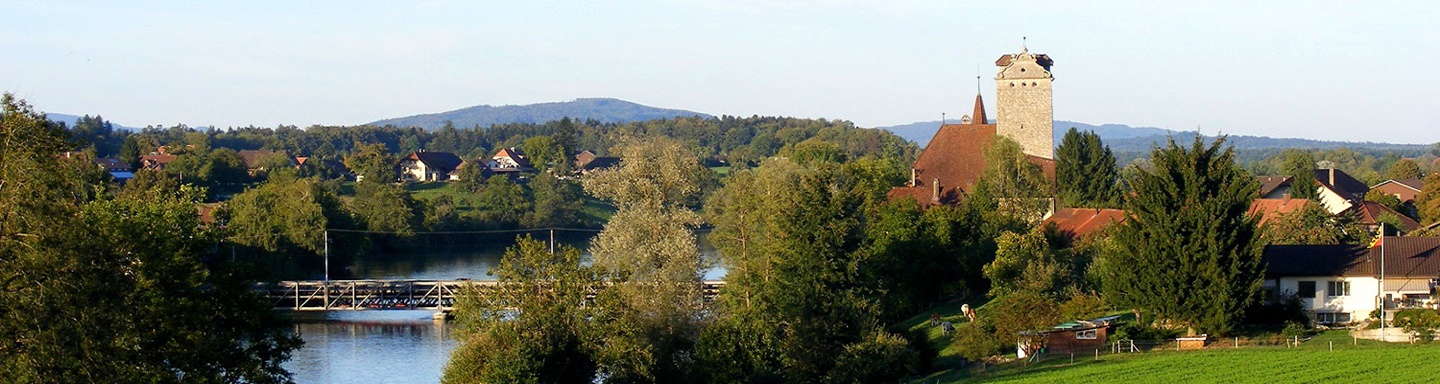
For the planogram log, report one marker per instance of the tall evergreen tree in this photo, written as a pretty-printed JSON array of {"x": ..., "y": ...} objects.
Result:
[
  {"x": 1086, "y": 172},
  {"x": 1192, "y": 253},
  {"x": 1300, "y": 167}
]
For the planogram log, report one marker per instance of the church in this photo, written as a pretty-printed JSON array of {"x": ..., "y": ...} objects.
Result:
[{"x": 951, "y": 165}]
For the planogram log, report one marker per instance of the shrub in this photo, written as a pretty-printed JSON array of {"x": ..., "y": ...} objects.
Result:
[{"x": 1422, "y": 323}]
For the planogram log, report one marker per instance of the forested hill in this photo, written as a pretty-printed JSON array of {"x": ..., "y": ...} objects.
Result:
[
  {"x": 70, "y": 121},
  {"x": 603, "y": 110}
]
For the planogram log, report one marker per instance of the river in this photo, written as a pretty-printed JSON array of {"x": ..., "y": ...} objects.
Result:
[{"x": 402, "y": 346}]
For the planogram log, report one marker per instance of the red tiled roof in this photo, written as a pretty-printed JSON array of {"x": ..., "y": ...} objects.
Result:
[
  {"x": 1081, "y": 222},
  {"x": 253, "y": 157},
  {"x": 955, "y": 158},
  {"x": 1369, "y": 212},
  {"x": 1268, "y": 209}
]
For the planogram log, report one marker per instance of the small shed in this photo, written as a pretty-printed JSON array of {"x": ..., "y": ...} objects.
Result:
[{"x": 1076, "y": 336}]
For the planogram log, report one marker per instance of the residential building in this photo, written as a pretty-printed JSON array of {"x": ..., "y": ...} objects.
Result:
[
  {"x": 1403, "y": 189},
  {"x": 255, "y": 159},
  {"x": 1369, "y": 215},
  {"x": 155, "y": 161},
  {"x": 1341, "y": 284},
  {"x": 1269, "y": 209},
  {"x": 1078, "y": 223},
  {"x": 509, "y": 161},
  {"x": 429, "y": 166},
  {"x": 1337, "y": 191},
  {"x": 586, "y": 162}
]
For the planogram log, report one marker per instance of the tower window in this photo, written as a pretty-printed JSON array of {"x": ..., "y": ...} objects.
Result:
[
  {"x": 1012, "y": 84},
  {"x": 1033, "y": 84}
]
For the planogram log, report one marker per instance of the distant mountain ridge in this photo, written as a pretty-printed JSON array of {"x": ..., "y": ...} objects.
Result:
[
  {"x": 605, "y": 110},
  {"x": 1124, "y": 138}
]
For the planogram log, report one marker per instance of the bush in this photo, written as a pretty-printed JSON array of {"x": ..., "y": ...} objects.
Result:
[
  {"x": 1282, "y": 308},
  {"x": 1422, "y": 323},
  {"x": 977, "y": 341},
  {"x": 883, "y": 357}
]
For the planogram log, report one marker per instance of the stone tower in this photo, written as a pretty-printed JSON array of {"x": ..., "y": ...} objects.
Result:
[{"x": 1024, "y": 109}]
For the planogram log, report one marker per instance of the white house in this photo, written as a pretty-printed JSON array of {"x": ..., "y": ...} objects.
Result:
[
  {"x": 1341, "y": 284},
  {"x": 429, "y": 166}
]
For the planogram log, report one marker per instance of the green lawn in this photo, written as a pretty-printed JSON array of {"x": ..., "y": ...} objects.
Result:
[{"x": 1313, "y": 361}]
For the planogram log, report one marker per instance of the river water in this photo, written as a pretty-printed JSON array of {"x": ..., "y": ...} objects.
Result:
[{"x": 402, "y": 346}]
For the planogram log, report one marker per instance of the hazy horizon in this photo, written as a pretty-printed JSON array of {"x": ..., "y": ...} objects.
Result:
[{"x": 1325, "y": 72}]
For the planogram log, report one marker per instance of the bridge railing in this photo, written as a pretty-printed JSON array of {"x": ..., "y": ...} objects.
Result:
[{"x": 318, "y": 295}]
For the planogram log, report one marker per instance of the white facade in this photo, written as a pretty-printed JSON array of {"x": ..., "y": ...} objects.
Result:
[
  {"x": 1330, "y": 304},
  {"x": 1332, "y": 201}
]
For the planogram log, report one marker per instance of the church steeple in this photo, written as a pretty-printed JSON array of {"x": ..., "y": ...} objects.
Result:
[{"x": 978, "y": 117}]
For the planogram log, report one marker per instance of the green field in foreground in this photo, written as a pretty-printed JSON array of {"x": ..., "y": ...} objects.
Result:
[{"x": 1313, "y": 361}]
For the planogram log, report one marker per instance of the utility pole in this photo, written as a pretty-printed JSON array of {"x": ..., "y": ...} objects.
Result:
[
  {"x": 1383, "y": 337},
  {"x": 327, "y": 269},
  {"x": 552, "y": 241}
]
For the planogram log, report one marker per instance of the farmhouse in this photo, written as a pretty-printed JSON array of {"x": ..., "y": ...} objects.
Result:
[
  {"x": 429, "y": 166},
  {"x": 1341, "y": 284}
]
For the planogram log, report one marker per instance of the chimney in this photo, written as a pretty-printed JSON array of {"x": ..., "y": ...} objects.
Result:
[
  {"x": 1287, "y": 197},
  {"x": 1332, "y": 176},
  {"x": 912, "y": 177},
  {"x": 935, "y": 191}
]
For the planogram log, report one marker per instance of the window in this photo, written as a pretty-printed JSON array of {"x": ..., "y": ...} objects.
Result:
[
  {"x": 1337, "y": 288},
  {"x": 1085, "y": 335},
  {"x": 1307, "y": 289},
  {"x": 1332, "y": 318}
]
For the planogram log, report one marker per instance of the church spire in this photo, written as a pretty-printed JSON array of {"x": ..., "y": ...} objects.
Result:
[{"x": 978, "y": 117}]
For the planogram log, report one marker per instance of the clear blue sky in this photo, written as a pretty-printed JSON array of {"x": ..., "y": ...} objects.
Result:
[{"x": 1322, "y": 70}]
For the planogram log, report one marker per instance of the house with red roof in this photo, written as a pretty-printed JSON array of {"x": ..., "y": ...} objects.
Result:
[
  {"x": 1082, "y": 222},
  {"x": 1403, "y": 189},
  {"x": 1269, "y": 209},
  {"x": 1337, "y": 190}
]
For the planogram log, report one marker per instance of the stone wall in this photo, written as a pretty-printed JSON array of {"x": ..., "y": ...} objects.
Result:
[{"x": 1024, "y": 106}]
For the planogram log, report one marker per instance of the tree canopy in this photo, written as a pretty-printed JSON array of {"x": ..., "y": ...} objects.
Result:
[
  {"x": 1192, "y": 253},
  {"x": 1085, "y": 171}
]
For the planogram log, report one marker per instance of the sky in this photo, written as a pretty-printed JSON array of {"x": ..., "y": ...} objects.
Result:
[{"x": 1311, "y": 69}]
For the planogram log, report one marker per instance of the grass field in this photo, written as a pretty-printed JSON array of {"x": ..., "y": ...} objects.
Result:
[{"x": 1312, "y": 361}]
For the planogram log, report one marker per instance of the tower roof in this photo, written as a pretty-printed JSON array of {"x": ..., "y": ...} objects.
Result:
[{"x": 978, "y": 117}]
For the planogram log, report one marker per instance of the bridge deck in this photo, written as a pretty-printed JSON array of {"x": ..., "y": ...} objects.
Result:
[{"x": 318, "y": 295}]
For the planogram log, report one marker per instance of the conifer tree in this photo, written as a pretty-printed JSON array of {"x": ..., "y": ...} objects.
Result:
[
  {"x": 1085, "y": 171},
  {"x": 1189, "y": 252},
  {"x": 1300, "y": 167}
]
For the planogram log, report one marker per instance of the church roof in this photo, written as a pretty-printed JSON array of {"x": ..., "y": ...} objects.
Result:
[
  {"x": 955, "y": 158},
  {"x": 978, "y": 116}
]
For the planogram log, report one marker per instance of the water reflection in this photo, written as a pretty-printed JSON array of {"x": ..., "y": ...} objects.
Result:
[
  {"x": 406, "y": 346},
  {"x": 372, "y": 347}
]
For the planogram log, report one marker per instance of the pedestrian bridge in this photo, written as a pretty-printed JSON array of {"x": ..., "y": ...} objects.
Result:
[{"x": 343, "y": 295}]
